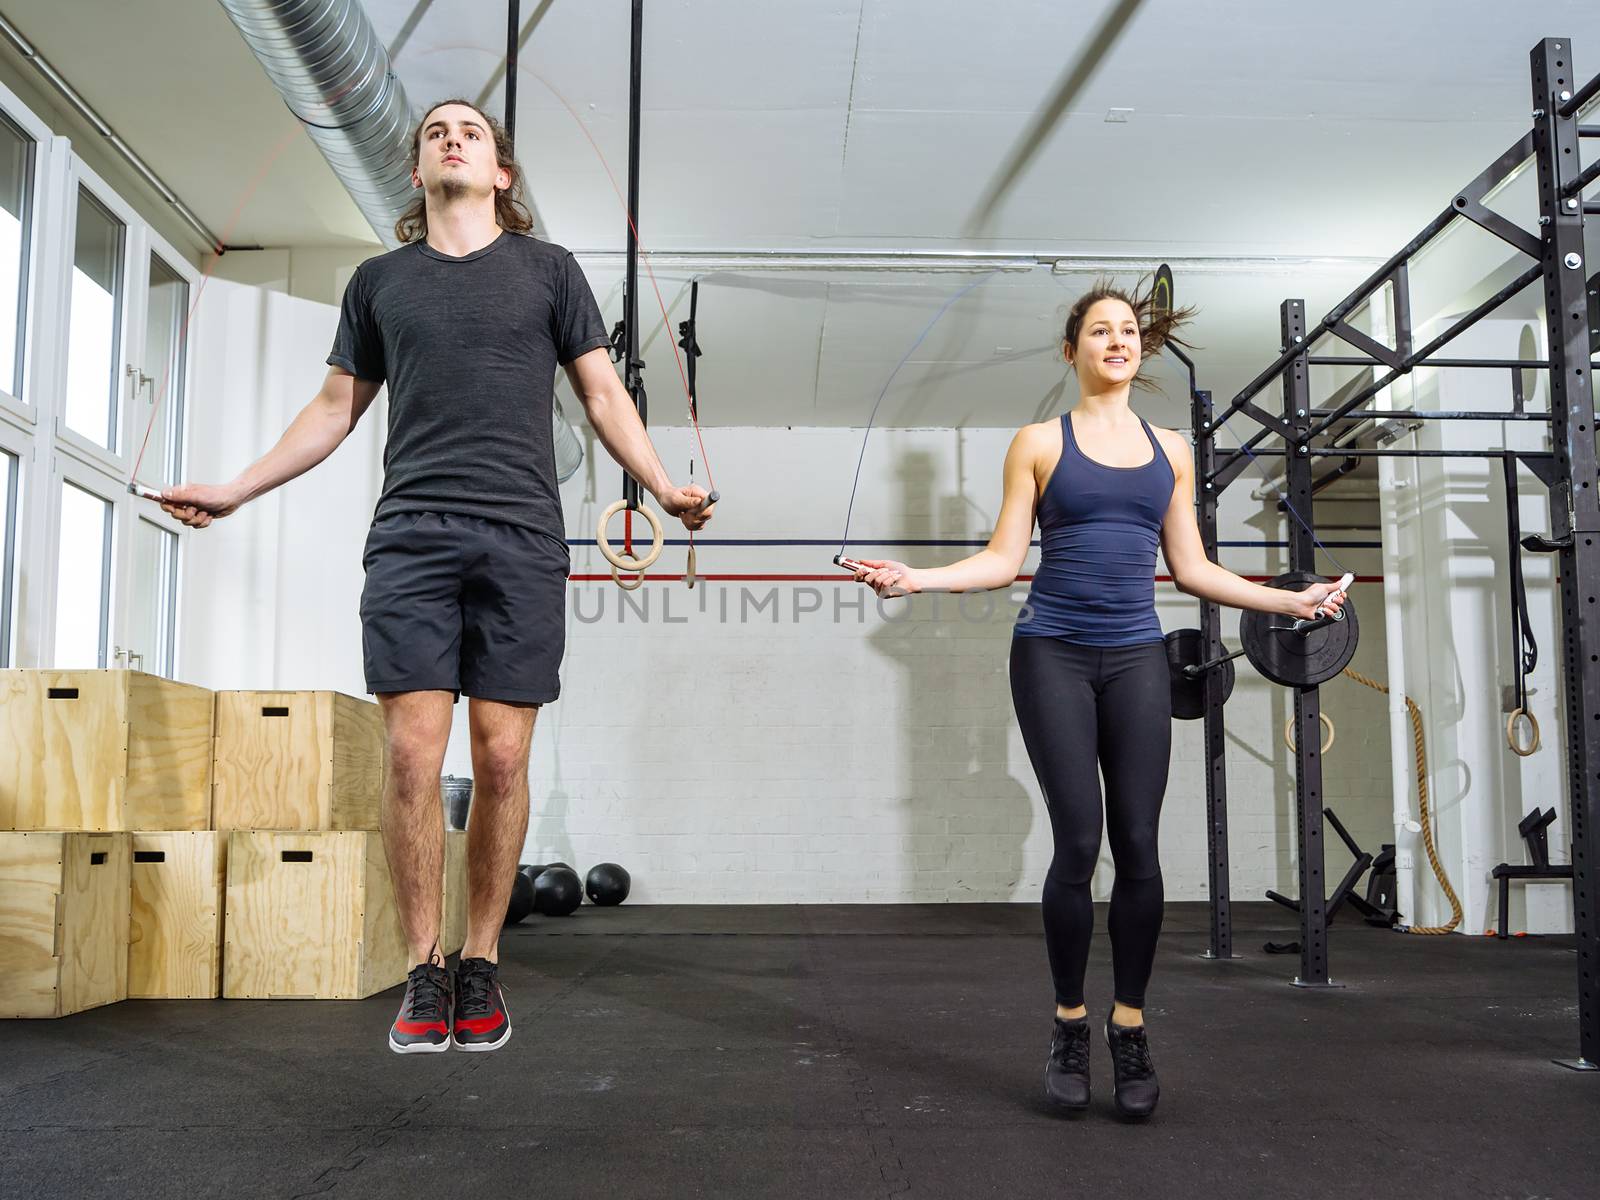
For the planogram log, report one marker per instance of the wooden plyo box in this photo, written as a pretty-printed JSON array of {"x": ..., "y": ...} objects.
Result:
[
  {"x": 297, "y": 760},
  {"x": 453, "y": 926},
  {"x": 175, "y": 928},
  {"x": 103, "y": 750},
  {"x": 310, "y": 916},
  {"x": 63, "y": 922}
]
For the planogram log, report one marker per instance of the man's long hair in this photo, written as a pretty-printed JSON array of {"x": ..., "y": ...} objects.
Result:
[{"x": 509, "y": 211}]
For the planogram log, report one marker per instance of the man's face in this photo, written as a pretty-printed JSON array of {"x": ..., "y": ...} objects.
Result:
[{"x": 456, "y": 155}]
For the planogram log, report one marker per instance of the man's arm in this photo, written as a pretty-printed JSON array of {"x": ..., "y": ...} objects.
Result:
[
  {"x": 616, "y": 422},
  {"x": 313, "y": 435}
]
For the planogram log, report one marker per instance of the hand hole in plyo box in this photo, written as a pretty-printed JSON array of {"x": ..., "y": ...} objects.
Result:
[
  {"x": 274, "y": 712},
  {"x": 297, "y": 856},
  {"x": 140, "y": 856},
  {"x": 63, "y": 693},
  {"x": 97, "y": 858}
]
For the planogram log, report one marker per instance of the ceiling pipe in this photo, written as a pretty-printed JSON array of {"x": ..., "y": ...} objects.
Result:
[{"x": 327, "y": 62}]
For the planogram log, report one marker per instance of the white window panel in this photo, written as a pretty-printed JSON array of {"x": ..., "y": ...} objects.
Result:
[
  {"x": 10, "y": 538},
  {"x": 83, "y": 578},
  {"x": 152, "y": 605},
  {"x": 94, "y": 323}
]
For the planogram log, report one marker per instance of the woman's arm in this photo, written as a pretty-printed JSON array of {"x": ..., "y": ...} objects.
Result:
[
  {"x": 1197, "y": 575},
  {"x": 997, "y": 564}
]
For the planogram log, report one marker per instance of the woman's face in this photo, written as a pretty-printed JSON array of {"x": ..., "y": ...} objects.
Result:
[{"x": 1108, "y": 352}]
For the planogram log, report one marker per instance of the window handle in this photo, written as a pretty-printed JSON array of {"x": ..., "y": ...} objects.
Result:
[{"x": 141, "y": 381}]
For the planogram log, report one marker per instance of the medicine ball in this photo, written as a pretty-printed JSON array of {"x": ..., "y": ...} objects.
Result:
[
  {"x": 557, "y": 892},
  {"x": 522, "y": 899},
  {"x": 607, "y": 884}
]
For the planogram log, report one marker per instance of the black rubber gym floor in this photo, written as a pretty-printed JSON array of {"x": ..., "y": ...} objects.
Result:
[{"x": 834, "y": 1051}]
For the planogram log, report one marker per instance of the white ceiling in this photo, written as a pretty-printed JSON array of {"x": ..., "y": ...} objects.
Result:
[{"x": 1324, "y": 135}]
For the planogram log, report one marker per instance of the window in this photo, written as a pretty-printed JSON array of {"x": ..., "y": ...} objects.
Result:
[
  {"x": 10, "y": 489},
  {"x": 16, "y": 210},
  {"x": 83, "y": 579},
  {"x": 92, "y": 380},
  {"x": 158, "y": 400},
  {"x": 94, "y": 323},
  {"x": 153, "y": 598}
]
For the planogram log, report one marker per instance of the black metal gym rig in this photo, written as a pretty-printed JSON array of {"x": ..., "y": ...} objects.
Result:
[{"x": 1569, "y": 471}]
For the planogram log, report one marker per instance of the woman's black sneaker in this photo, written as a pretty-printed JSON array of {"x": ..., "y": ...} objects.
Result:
[
  {"x": 423, "y": 1026},
  {"x": 1137, "y": 1088},
  {"x": 482, "y": 1022},
  {"x": 1066, "y": 1074}
]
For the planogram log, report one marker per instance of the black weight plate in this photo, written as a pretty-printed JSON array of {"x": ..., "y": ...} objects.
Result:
[
  {"x": 1292, "y": 659},
  {"x": 1161, "y": 290},
  {"x": 1184, "y": 648}
]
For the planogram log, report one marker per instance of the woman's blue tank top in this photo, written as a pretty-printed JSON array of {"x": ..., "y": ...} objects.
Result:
[{"x": 1099, "y": 528}]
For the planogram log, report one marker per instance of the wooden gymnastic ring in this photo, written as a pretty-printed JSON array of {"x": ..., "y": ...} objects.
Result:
[
  {"x": 621, "y": 561},
  {"x": 616, "y": 578},
  {"x": 688, "y": 574},
  {"x": 1327, "y": 725},
  {"x": 1522, "y": 749},
  {"x": 627, "y": 562}
]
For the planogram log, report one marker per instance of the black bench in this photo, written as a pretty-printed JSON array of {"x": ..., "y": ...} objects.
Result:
[{"x": 1534, "y": 830}]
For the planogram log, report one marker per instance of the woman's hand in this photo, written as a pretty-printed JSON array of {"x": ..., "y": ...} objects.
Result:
[
  {"x": 888, "y": 578},
  {"x": 1317, "y": 600}
]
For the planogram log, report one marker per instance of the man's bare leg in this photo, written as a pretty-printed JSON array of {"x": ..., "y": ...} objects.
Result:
[
  {"x": 498, "y": 823},
  {"x": 417, "y": 728}
]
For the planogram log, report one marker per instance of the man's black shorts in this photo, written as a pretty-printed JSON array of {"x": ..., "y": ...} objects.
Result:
[{"x": 464, "y": 605}]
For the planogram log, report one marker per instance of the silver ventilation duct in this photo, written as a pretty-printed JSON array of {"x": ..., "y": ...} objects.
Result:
[{"x": 324, "y": 57}]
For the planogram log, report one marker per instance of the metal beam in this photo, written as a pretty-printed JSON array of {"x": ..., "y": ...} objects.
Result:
[
  {"x": 1219, "y": 888},
  {"x": 1575, "y": 512},
  {"x": 1307, "y": 701}
]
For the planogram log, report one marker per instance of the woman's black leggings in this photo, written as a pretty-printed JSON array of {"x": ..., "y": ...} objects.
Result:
[{"x": 1076, "y": 705}]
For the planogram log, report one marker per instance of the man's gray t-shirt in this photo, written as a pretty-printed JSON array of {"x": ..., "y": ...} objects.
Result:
[{"x": 469, "y": 348}]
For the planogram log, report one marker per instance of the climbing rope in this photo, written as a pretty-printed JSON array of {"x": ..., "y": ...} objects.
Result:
[{"x": 1422, "y": 806}]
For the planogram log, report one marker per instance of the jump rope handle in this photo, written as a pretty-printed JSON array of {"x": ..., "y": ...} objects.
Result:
[{"x": 1343, "y": 585}]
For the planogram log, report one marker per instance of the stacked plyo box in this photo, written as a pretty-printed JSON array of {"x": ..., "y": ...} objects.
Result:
[
  {"x": 96, "y": 769},
  {"x": 158, "y": 840},
  {"x": 310, "y": 905}
]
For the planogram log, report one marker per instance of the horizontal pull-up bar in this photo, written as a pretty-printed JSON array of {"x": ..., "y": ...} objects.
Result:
[
  {"x": 1412, "y": 414},
  {"x": 1581, "y": 97},
  {"x": 1337, "y": 360},
  {"x": 1342, "y": 452},
  {"x": 1583, "y": 180},
  {"x": 1410, "y": 361}
]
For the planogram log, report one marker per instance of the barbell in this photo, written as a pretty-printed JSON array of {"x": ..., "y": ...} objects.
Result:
[{"x": 1294, "y": 652}]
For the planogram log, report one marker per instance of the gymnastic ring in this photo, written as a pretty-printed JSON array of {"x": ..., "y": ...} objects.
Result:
[
  {"x": 688, "y": 574},
  {"x": 616, "y": 578},
  {"x": 628, "y": 562},
  {"x": 1522, "y": 749},
  {"x": 1327, "y": 725}
]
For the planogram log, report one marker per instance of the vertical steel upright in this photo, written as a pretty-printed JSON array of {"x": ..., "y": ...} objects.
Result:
[
  {"x": 1307, "y": 701},
  {"x": 633, "y": 368},
  {"x": 1205, "y": 452},
  {"x": 1574, "y": 506}
]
